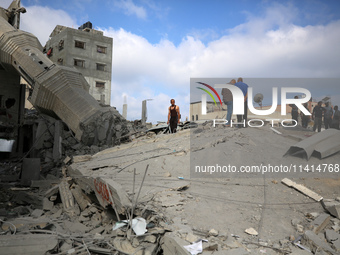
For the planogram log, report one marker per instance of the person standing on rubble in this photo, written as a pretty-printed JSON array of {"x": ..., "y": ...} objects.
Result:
[
  {"x": 327, "y": 119},
  {"x": 295, "y": 112},
  {"x": 336, "y": 118},
  {"x": 305, "y": 118},
  {"x": 228, "y": 101},
  {"x": 317, "y": 116},
  {"x": 174, "y": 116},
  {"x": 244, "y": 87}
]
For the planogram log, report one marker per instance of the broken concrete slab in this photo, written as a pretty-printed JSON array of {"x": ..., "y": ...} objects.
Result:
[
  {"x": 75, "y": 227},
  {"x": 44, "y": 184},
  {"x": 323, "y": 144},
  {"x": 331, "y": 235},
  {"x": 315, "y": 243},
  {"x": 57, "y": 147},
  {"x": 172, "y": 244},
  {"x": 67, "y": 199},
  {"x": 47, "y": 204},
  {"x": 107, "y": 190},
  {"x": 81, "y": 158},
  {"x": 320, "y": 222},
  {"x": 332, "y": 206},
  {"x": 37, "y": 213},
  {"x": 79, "y": 197},
  {"x": 30, "y": 198},
  {"x": 30, "y": 170},
  {"x": 28, "y": 244}
]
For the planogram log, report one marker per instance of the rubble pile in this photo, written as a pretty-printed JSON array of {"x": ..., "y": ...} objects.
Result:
[
  {"x": 55, "y": 216},
  {"x": 54, "y": 141}
]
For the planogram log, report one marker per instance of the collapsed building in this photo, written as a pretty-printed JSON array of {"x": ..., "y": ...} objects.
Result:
[{"x": 57, "y": 91}]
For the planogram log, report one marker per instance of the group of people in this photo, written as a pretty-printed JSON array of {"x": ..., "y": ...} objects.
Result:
[
  {"x": 331, "y": 118},
  {"x": 228, "y": 101}
]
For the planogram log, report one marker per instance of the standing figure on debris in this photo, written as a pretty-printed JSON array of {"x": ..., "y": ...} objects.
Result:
[
  {"x": 327, "y": 119},
  {"x": 304, "y": 117},
  {"x": 173, "y": 116},
  {"x": 295, "y": 112},
  {"x": 336, "y": 118},
  {"x": 228, "y": 101},
  {"x": 244, "y": 87},
  {"x": 317, "y": 116}
]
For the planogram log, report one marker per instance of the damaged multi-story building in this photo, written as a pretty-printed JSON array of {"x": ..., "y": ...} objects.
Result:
[
  {"x": 89, "y": 51},
  {"x": 59, "y": 91}
]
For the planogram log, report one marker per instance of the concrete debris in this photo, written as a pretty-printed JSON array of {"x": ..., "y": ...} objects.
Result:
[
  {"x": 67, "y": 199},
  {"x": 251, "y": 231},
  {"x": 110, "y": 192},
  {"x": 320, "y": 223},
  {"x": 332, "y": 206},
  {"x": 323, "y": 144},
  {"x": 30, "y": 170},
  {"x": 315, "y": 242},
  {"x": 80, "y": 197},
  {"x": 213, "y": 232},
  {"x": 28, "y": 244},
  {"x": 173, "y": 245}
]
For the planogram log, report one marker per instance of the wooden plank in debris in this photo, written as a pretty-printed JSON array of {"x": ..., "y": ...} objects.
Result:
[
  {"x": 302, "y": 189},
  {"x": 120, "y": 198},
  {"x": 27, "y": 244},
  {"x": 173, "y": 245}
]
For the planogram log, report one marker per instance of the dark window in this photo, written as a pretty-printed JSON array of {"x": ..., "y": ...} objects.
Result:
[
  {"x": 196, "y": 117},
  {"x": 101, "y": 67},
  {"x": 79, "y": 44},
  {"x": 193, "y": 118},
  {"x": 100, "y": 84},
  {"x": 79, "y": 63},
  {"x": 101, "y": 49},
  {"x": 61, "y": 45}
]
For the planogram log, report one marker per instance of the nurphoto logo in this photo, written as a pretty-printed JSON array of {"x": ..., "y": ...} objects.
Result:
[{"x": 238, "y": 102}]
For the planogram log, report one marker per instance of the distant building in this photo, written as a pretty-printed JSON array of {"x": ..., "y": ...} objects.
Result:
[{"x": 89, "y": 51}]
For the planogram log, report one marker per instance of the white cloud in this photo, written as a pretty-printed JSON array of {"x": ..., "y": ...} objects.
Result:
[
  {"x": 130, "y": 8},
  {"x": 41, "y": 21},
  {"x": 261, "y": 47}
]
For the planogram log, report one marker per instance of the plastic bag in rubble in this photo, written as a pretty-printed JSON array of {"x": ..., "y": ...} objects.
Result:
[
  {"x": 195, "y": 248},
  {"x": 138, "y": 225}
]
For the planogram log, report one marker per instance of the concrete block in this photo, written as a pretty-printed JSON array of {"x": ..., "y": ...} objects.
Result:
[
  {"x": 173, "y": 245},
  {"x": 320, "y": 222},
  {"x": 67, "y": 199},
  {"x": 30, "y": 170},
  {"x": 27, "y": 244},
  {"x": 79, "y": 197},
  {"x": 47, "y": 204},
  {"x": 316, "y": 243},
  {"x": 331, "y": 235},
  {"x": 57, "y": 147},
  {"x": 107, "y": 190}
]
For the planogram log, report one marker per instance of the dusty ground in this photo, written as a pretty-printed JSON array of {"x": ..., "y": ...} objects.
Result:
[{"x": 228, "y": 203}]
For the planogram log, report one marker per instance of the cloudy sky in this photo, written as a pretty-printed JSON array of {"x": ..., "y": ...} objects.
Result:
[{"x": 160, "y": 45}]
